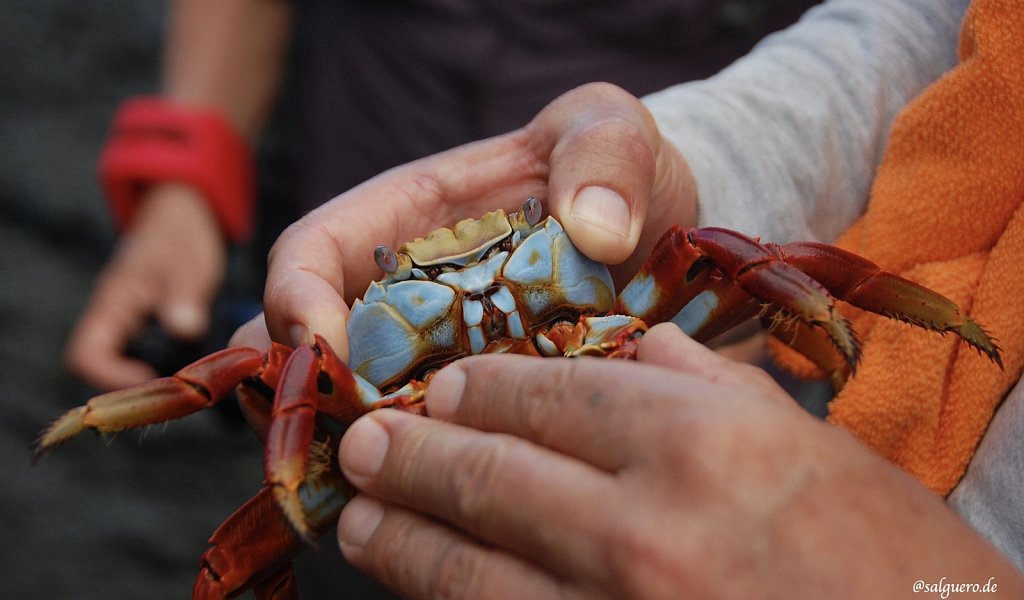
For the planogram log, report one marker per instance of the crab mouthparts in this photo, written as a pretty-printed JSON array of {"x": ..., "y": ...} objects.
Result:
[{"x": 488, "y": 308}]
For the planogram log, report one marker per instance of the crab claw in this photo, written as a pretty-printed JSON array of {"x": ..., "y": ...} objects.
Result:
[
  {"x": 313, "y": 380},
  {"x": 254, "y": 546}
]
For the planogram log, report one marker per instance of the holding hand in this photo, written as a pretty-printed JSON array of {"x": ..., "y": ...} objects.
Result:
[
  {"x": 593, "y": 154},
  {"x": 682, "y": 475}
]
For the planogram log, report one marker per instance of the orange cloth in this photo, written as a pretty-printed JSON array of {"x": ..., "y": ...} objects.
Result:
[{"x": 945, "y": 211}]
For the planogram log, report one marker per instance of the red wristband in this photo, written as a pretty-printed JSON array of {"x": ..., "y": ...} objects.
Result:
[{"x": 154, "y": 140}]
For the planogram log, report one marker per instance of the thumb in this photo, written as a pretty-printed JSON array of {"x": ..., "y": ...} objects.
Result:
[{"x": 603, "y": 166}]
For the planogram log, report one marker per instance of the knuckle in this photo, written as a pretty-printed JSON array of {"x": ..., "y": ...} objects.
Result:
[
  {"x": 540, "y": 398},
  {"x": 542, "y": 403},
  {"x": 530, "y": 394},
  {"x": 285, "y": 240},
  {"x": 460, "y": 573},
  {"x": 613, "y": 137},
  {"x": 474, "y": 478},
  {"x": 635, "y": 558},
  {"x": 405, "y": 464}
]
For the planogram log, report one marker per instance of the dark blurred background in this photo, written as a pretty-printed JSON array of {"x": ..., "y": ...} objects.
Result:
[{"x": 128, "y": 516}]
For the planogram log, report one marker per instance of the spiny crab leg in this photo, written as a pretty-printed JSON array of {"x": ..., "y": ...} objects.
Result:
[
  {"x": 800, "y": 281},
  {"x": 865, "y": 285},
  {"x": 314, "y": 380},
  {"x": 193, "y": 388},
  {"x": 810, "y": 342}
]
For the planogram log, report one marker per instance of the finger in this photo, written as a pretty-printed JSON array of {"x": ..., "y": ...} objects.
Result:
[
  {"x": 253, "y": 334},
  {"x": 666, "y": 345},
  {"x": 421, "y": 558},
  {"x": 186, "y": 303},
  {"x": 546, "y": 401},
  {"x": 305, "y": 288},
  {"x": 185, "y": 316},
  {"x": 95, "y": 349},
  {"x": 602, "y": 168},
  {"x": 499, "y": 489}
]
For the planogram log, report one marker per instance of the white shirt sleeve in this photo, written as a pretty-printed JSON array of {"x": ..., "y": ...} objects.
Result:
[{"x": 784, "y": 143}]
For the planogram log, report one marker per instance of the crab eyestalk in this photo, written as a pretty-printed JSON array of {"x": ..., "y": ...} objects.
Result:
[
  {"x": 397, "y": 266},
  {"x": 526, "y": 218}
]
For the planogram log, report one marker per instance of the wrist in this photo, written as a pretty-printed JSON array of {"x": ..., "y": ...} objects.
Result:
[
  {"x": 181, "y": 205},
  {"x": 155, "y": 141}
]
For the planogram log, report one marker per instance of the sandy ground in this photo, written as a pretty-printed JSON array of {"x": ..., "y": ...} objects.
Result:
[{"x": 128, "y": 518}]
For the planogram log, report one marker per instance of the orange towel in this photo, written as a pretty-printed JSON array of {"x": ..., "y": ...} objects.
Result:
[{"x": 945, "y": 211}]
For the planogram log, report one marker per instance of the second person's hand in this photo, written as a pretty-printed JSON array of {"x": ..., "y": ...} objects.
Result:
[{"x": 168, "y": 266}]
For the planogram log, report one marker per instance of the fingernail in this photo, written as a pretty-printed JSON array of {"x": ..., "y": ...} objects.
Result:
[
  {"x": 299, "y": 335},
  {"x": 445, "y": 393},
  {"x": 601, "y": 208},
  {"x": 363, "y": 449},
  {"x": 186, "y": 319},
  {"x": 359, "y": 519}
]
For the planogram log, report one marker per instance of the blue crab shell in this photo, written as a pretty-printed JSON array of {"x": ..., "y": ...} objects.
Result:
[{"x": 504, "y": 286}]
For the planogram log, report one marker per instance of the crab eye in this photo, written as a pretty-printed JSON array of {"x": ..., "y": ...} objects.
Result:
[
  {"x": 386, "y": 259},
  {"x": 532, "y": 210}
]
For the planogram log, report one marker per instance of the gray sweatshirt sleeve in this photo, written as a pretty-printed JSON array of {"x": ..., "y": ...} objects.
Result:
[{"x": 784, "y": 143}]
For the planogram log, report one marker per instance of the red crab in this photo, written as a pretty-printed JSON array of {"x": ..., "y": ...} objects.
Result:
[{"x": 496, "y": 284}]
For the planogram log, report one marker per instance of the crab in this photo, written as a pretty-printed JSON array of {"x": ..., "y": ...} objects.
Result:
[{"x": 501, "y": 283}]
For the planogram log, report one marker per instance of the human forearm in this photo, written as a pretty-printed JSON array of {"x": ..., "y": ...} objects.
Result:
[
  {"x": 784, "y": 143},
  {"x": 227, "y": 55}
]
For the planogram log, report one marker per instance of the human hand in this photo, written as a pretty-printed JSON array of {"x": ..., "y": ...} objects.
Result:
[
  {"x": 169, "y": 266},
  {"x": 593, "y": 155},
  {"x": 682, "y": 475}
]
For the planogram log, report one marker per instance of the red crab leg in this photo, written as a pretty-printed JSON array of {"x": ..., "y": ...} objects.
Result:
[
  {"x": 251, "y": 544},
  {"x": 721, "y": 306},
  {"x": 256, "y": 408},
  {"x": 610, "y": 336},
  {"x": 313, "y": 380},
  {"x": 669, "y": 278},
  {"x": 865, "y": 285},
  {"x": 255, "y": 546},
  {"x": 193, "y": 388},
  {"x": 279, "y": 586},
  {"x": 812, "y": 343},
  {"x": 678, "y": 271}
]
